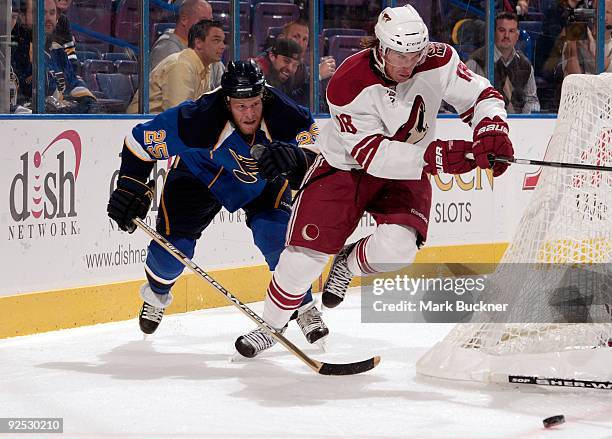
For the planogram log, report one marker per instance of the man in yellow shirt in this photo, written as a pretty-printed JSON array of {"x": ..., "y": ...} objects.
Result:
[
  {"x": 189, "y": 73},
  {"x": 175, "y": 40}
]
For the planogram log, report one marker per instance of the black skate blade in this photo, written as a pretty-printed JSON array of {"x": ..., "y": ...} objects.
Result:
[{"x": 349, "y": 368}]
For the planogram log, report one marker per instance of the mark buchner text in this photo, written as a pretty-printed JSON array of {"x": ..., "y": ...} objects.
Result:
[{"x": 433, "y": 306}]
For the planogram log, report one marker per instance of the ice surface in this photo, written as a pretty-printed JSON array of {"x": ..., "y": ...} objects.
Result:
[{"x": 106, "y": 381}]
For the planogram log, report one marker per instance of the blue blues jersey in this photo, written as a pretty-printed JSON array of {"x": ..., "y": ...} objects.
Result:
[
  {"x": 201, "y": 133},
  {"x": 61, "y": 75}
]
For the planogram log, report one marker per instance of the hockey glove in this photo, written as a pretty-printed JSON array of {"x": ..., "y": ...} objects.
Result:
[
  {"x": 448, "y": 156},
  {"x": 491, "y": 138},
  {"x": 278, "y": 159},
  {"x": 131, "y": 199}
]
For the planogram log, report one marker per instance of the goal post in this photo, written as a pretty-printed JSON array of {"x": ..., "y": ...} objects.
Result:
[{"x": 567, "y": 222}]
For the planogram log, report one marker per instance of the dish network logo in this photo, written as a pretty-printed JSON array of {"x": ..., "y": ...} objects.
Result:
[{"x": 45, "y": 190}]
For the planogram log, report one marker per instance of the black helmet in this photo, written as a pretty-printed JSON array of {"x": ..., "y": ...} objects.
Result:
[{"x": 243, "y": 79}]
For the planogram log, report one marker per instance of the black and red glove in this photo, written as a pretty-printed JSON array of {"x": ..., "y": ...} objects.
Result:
[
  {"x": 491, "y": 138},
  {"x": 448, "y": 156}
]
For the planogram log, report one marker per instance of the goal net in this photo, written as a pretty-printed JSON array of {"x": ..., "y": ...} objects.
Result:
[{"x": 567, "y": 223}]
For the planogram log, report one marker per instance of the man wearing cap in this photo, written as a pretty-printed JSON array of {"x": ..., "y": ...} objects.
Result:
[{"x": 279, "y": 65}]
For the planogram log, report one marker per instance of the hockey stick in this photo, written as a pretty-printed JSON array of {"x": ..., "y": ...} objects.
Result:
[
  {"x": 317, "y": 366},
  {"x": 510, "y": 160},
  {"x": 553, "y": 382},
  {"x": 501, "y": 378}
]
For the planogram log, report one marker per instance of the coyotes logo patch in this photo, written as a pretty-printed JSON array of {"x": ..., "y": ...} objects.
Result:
[{"x": 415, "y": 129}]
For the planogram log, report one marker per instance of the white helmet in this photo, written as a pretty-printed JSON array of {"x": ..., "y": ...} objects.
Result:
[{"x": 401, "y": 29}]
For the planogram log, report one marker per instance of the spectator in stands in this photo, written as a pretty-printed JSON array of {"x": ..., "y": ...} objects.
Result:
[
  {"x": 63, "y": 5},
  {"x": 65, "y": 92},
  {"x": 172, "y": 41},
  {"x": 549, "y": 50},
  {"x": 279, "y": 65},
  {"x": 14, "y": 12},
  {"x": 550, "y": 43},
  {"x": 521, "y": 7},
  {"x": 580, "y": 48},
  {"x": 21, "y": 38},
  {"x": 63, "y": 34},
  {"x": 514, "y": 77},
  {"x": 189, "y": 73},
  {"x": 470, "y": 28},
  {"x": 298, "y": 32},
  {"x": 13, "y": 83}
]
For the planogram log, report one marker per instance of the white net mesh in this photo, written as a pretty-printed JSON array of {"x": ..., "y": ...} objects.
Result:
[{"x": 567, "y": 221}]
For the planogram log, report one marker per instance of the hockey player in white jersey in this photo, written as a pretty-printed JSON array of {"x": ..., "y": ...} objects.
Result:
[{"x": 376, "y": 154}]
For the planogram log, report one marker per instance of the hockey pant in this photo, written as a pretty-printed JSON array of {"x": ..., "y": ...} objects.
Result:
[
  {"x": 389, "y": 248},
  {"x": 182, "y": 221},
  {"x": 268, "y": 229}
]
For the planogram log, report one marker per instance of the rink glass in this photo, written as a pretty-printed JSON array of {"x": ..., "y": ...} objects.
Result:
[{"x": 127, "y": 29}]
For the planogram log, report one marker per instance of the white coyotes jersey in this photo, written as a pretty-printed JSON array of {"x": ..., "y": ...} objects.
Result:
[{"x": 384, "y": 127}]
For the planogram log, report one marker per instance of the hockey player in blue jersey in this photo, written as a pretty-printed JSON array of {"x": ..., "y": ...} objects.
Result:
[{"x": 212, "y": 139}]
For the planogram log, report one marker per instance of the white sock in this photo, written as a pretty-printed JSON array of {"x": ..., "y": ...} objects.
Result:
[
  {"x": 297, "y": 269},
  {"x": 152, "y": 298},
  {"x": 389, "y": 248}
]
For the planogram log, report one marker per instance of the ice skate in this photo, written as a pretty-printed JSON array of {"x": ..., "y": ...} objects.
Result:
[
  {"x": 339, "y": 278},
  {"x": 150, "y": 317},
  {"x": 152, "y": 309},
  {"x": 255, "y": 342},
  {"x": 312, "y": 325}
]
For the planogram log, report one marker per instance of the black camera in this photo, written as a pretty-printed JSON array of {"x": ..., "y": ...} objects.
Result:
[{"x": 578, "y": 21}]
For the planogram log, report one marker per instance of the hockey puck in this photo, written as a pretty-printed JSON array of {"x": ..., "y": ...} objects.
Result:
[{"x": 553, "y": 421}]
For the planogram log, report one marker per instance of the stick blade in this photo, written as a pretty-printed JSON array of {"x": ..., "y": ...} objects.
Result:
[{"x": 349, "y": 368}]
